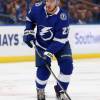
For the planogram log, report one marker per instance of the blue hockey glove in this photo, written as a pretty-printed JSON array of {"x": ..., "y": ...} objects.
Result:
[
  {"x": 29, "y": 38},
  {"x": 47, "y": 57}
]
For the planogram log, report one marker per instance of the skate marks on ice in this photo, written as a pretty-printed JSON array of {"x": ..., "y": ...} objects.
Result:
[
  {"x": 85, "y": 82},
  {"x": 17, "y": 81}
]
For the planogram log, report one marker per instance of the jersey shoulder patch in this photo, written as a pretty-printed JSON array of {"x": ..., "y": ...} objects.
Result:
[{"x": 63, "y": 16}]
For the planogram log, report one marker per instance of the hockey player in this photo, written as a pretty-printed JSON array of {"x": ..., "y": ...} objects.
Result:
[{"x": 51, "y": 39}]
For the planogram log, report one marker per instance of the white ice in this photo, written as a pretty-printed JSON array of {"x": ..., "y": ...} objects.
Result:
[{"x": 17, "y": 81}]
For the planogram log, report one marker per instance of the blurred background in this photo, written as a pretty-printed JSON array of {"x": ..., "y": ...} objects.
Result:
[{"x": 80, "y": 11}]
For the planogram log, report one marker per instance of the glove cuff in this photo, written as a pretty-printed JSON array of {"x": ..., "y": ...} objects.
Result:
[
  {"x": 27, "y": 32},
  {"x": 50, "y": 55}
]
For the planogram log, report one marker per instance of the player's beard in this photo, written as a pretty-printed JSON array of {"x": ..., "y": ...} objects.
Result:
[
  {"x": 52, "y": 11},
  {"x": 51, "y": 8}
]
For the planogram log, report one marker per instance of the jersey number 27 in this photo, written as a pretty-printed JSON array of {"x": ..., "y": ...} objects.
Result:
[{"x": 65, "y": 31}]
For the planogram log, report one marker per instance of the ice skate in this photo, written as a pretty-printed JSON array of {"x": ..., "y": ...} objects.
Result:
[
  {"x": 60, "y": 94},
  {"x": 40, "y": 94}
]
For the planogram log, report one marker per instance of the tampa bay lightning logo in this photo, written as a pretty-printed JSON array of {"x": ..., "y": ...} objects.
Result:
[{"x": 46, "y": 33}]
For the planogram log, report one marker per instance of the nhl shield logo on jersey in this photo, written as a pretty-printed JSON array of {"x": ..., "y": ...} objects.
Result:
[{"x": 63, "y": 16}]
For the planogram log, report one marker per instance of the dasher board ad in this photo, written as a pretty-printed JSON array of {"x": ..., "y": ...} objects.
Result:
[
  {"x": 11, "y": 41},
  {"x": 84, "y": 39}
]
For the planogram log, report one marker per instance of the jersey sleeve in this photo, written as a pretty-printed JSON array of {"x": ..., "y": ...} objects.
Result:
[
  {"x": 30, "y": 19},
  {"x": 61, "y": 34}
]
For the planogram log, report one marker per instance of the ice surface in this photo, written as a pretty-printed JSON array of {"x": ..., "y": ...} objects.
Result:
[{"x": 17, "y": 81}]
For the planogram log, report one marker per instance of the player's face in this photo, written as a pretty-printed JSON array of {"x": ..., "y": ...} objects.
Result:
[{"x": 51, "y": 5}]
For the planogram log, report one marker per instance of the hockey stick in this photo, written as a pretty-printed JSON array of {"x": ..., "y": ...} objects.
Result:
[{"x": 53, "y": 74}]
